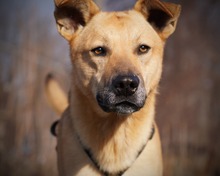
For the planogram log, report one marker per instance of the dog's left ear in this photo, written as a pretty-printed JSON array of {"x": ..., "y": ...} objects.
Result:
[
  {"x": 162, "y": 16},
  {"x": 71, "y": 15}
]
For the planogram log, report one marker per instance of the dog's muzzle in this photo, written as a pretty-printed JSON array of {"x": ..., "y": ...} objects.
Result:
[{"x": 124, "y": 95}]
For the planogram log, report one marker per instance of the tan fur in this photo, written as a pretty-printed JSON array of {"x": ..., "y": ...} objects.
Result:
[
  {"x": 55, "y": 94},
  {"x": 114, "y": 139}
]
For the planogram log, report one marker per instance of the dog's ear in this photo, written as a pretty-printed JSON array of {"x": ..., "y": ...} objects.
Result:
[
  {"x": 70, "y": 15},
  {"x": 162, "y": 16}
]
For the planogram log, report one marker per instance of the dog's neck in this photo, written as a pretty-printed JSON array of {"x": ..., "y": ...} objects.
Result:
[{"x": 106, "y": 134}]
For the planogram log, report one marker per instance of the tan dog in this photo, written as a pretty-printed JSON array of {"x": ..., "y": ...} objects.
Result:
[{"x": 109, "y": 126}]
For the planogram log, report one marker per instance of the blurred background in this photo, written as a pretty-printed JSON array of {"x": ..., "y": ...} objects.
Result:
[{"x": 188, "y": 106}]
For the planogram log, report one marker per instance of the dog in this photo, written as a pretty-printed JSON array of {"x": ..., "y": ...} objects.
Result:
[{"x": 108, "y": 128}]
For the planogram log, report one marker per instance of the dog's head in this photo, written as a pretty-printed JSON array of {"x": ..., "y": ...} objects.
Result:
[{"x": 116, "y": 56}]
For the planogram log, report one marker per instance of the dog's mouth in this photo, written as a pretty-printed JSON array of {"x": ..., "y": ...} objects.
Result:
[{"x": 124, "y": 107}]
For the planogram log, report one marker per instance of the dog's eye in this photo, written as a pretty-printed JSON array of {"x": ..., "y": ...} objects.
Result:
[
  {"x": 99, "y": 51},
  {"x": 143, "y": 49}
]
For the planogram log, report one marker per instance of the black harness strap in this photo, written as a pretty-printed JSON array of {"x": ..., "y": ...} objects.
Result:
[
  {"x": 152, "y": 133},
  {"x": 106, "y": 173},
  {"x": 89, "y": 153},
  {"x": 53, "y": 128}
]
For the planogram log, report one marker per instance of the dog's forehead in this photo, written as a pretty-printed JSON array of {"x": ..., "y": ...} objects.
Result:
[
  {"x": 120, "y": 20},
  {"x": 116, "y": 27},
  {"x": 117, "y": 18},
  {"x": 118, "y": 30}
]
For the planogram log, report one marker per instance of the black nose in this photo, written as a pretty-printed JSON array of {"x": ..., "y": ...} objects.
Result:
[{"x": 126, "y": 85}]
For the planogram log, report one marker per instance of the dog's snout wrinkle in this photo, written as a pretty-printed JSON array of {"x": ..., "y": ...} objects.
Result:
[{"x": 126, "y": 85}]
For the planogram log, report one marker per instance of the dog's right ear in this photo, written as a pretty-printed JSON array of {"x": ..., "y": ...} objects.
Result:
[{"x": 70, "y": 15}]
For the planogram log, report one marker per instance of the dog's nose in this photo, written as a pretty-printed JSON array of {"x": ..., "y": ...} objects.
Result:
[{"x": 126, "y": 85}]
